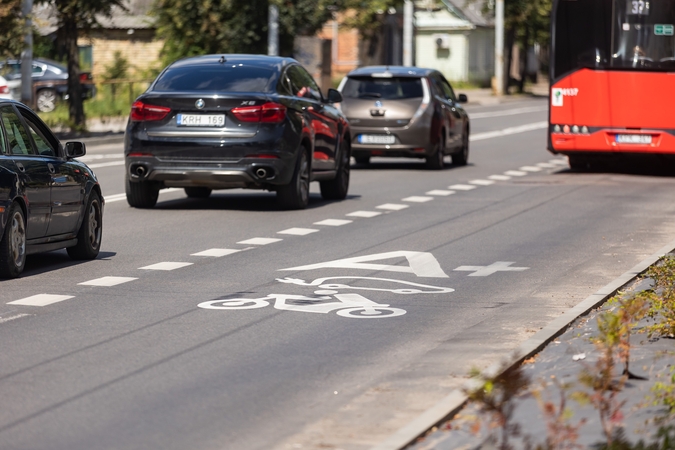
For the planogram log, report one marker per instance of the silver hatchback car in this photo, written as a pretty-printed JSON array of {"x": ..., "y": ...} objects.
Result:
[{"x": 406, "y": 112}]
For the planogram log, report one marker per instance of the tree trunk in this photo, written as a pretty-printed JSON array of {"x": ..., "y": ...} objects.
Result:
[
  {"x": 510, "y": 40},
  {"x": 75, "y": 108},
  {"x": 524, "y": 60}
]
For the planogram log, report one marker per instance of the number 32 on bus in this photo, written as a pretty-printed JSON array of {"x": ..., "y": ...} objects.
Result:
[{"x": 612, "y": 78}]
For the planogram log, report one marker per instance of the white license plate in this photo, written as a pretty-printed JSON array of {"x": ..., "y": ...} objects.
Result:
[
  {"x": 377, "y": 139},
  {"x": 634, "y": 138},
  {"x": 200, "y": 120}
]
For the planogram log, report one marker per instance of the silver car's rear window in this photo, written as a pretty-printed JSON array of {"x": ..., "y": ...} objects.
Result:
[
  {"x": 395, "y": 88},
  {"x": 223, "y": 79}
]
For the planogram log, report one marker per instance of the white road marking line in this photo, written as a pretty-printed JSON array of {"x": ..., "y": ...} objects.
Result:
[
  {"x": 546, "y": 165},
  {"x": 10, "y": 318},
  {"x": 107, "y": 281},
  {"x": 333, "y": 222},
  {"x": 530, "y": 169},
  {"x": 560, "y": 162},
  {"x": 515, "y": 173},
  {"x": 217, "y": 252},
  {"x": 482, "y": 182},
  {"x": 499, "y": 177},
  {"x": 417, "y": 199},
  {"x": 166, "y": 266},
  {"x": 508, "y": 112},
  {"x": 108, "y": 164},
  {"x": 366, "y": 214},
  {"x": 86, "y": 158},
  {"x": 484, "y": 271},
  {"x": 392, "y": 207},
  {"x": 298, "y": 231},
  {"x": 440, "y": 192},
  {"x": 41, "y": 300},
  {"x": 508, "y": 131},
  {"x": 259, "y": 241},
  {"x": 462, "y": 187},
  {"x": 120, "y": 197}
]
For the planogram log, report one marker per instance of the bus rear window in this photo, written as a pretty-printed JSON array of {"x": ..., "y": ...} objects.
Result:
[
  {"x": 220, "y": 79},
  {"x": 395, "y": 88}
]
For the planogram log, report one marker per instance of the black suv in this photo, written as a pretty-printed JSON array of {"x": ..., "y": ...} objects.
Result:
[
  {"x": 236, "y": 121},
  {"x": 48, "y": 200}
]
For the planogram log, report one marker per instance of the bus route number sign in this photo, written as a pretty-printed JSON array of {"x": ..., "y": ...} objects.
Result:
[
  {"x": 664, "y": 30},
  {"x": 638, "y": 7}
]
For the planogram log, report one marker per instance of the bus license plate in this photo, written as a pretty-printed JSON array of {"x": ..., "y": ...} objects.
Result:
[
  {"x": 634, "y": 138},
  {"x": 377, "y": 139},
  {"x": 200, "y": 120}
]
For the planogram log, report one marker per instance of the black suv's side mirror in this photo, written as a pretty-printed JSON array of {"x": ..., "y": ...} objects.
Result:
[
  {"x": 334, "y": 96},
  {"x": 462, "y": 98},
  {"x": 75, "y": 149}
]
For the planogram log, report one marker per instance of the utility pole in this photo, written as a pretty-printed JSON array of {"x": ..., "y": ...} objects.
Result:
[
  {"x": 27, "y": 55},
  {"x": 499, "y": 48},
  {"x": 408, "y": 13},
  {"x": 273, "y": 31}
]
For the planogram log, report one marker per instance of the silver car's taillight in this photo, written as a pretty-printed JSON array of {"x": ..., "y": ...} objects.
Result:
[{"x": 426, "y": 99}]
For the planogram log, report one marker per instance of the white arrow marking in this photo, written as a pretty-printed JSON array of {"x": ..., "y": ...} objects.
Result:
[
  {"x": 421, "y": 264},
  {"x": 484, "y": 271}
]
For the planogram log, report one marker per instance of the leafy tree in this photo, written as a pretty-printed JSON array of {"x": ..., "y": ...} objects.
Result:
[
  {"x": 190, "y": 27},
  {"x": 74, "y": 17},
  {"x": 11, "y": 24}
]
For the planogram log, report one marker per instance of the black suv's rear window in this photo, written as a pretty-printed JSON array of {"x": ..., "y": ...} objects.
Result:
[
  {"x": 216, "y": 78},
  {"x": 395, "y": 88}
]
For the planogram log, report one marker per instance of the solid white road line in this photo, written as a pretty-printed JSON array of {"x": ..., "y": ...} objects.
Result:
[
  {"x": 259, "y": 241},
  {"x": 508, "y": 131},
  {"x": 440, "y": 192},
  {"x": 392, "y": 207},
  {"x": 107, "y": 281},
  {"x": 515, "y": 173},
  {"x": 365, "y": 214},
  {"x": 499, "y": 177},
  {"x": 298, "y": 231},
  {"x": 10, "y": 318},
  {"x": 482, "y": 182},
  {"x": 87, "y": 158},
  {"x": 508, "y": 112},
  {"x": 417, "y": 199},
  {"x": 108, "y": 164},
  {"x": 217, "y": 252},
  {"x": 166, "y": 266},
  {"x": 41, "y": 300},
  {"x": 462, "y": 187},
  {"x": 333, "y": 222}
]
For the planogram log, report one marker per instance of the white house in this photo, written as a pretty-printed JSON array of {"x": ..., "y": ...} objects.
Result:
[{"x": 455, "y": 38}]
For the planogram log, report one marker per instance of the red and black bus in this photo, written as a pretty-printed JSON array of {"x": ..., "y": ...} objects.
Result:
[{"x": 612, "y": 75}]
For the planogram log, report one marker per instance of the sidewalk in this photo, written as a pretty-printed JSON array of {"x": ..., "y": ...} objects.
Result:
[{"x": 640, "y": 412}]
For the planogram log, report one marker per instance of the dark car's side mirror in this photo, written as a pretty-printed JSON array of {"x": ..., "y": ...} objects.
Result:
[
  {"x": 463, "y": 98},
  {"x": 75, "y": 149},
  {"x": 334, "y": 96}
]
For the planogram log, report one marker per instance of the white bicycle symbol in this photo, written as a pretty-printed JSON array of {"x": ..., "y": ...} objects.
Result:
[{"x": 347, "y": 305}]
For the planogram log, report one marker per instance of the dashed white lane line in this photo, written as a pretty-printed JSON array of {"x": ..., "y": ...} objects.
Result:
[
  {"x": 392, "y": 207},
  {"x": 364, "y": 214},
  {"x": 10, "y": 318},
  {"x": 107, "y": 164},
  {"x": 87, "y": 158},
  {"x": 482, "y": 182},
  {"x": 107, "y": 281},
  {"x": 499, "y": 177},
  {"x": 120, "y": 197},
  {"x": 546, "y": 165},
  {"x": 298, "y": 231},
  {"x": 559, "y": 162},
  {"x": 530, "y": 169},
  {"x": 259, "y": 241},
  {"x": 417, "y": 199},
  {"x": 166, "y": 266},
  {"x": 217, "y": 252},
  {"x": 462, "y": 187},
  {"x": 333, "y": 222},
  {"x": 508, "y": 112},
  {"x": 508, "y": 131},
  {"x": 41, "y": 300},
  {"x": 440, "y": 192},
  {"x": 515, "y": 173}
]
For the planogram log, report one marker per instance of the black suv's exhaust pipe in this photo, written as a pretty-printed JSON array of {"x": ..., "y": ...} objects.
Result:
[
  {"x": 138, "y": 171},
  {"x": 264, "y": 173}
]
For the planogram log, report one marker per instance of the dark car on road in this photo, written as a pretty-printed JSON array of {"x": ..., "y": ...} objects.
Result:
[
  {"x": 236, "y": 121},
  {"x": 48, "y": 199},
  {"x": 405, "y": 111},
  {"x": 50, "y": 81}
]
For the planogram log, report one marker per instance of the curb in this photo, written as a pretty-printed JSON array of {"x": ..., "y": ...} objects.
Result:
[{"x": 455, "y": 401}]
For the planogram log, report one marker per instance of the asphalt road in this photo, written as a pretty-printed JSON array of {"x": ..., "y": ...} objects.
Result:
[{"x": 444, "y": 271}]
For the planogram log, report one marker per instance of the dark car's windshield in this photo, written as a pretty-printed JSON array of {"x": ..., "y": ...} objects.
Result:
[
  {"x": 394, "y": 88},
  {"x": 216, "y": 78}
]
